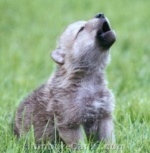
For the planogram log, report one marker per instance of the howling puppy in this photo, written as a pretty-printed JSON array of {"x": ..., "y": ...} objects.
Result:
[{"x": 76, "y": 95}]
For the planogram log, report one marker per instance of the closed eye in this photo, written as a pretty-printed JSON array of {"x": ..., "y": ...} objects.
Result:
[{"x": 82, "y": 28}]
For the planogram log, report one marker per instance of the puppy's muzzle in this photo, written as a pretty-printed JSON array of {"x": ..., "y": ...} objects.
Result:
[{"x": 105, "y": 35}]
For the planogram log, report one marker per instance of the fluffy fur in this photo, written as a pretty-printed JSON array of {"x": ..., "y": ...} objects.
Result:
[{"x": 76, "y": 95}]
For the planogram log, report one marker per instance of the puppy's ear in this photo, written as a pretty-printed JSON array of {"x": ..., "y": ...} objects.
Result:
[{"x": 58, "y": 56}]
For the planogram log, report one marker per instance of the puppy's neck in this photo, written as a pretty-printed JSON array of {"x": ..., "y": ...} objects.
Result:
[{"x": 65, "y": 78}]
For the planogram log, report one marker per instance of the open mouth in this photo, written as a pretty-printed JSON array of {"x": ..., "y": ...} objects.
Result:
[
  {"x": 105, "y": 36},
  {"x": 105, "y": 27}
]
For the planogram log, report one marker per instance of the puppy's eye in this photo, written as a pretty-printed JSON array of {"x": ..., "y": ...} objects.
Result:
[{"x": 82, "y": 28}]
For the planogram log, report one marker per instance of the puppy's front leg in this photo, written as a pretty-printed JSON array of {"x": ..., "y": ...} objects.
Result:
[
  {"x": 106, "y": 130},
  {"x": 72, "y": 137}
]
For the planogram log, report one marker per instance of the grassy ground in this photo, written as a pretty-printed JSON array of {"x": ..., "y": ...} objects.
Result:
[{"x": 28, "y": 32}]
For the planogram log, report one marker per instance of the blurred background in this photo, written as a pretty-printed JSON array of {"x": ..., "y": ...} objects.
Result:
[{"x": 28, "y": 33}]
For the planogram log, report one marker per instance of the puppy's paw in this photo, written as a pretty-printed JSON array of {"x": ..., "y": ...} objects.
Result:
[{"x": 90, "y": 113}]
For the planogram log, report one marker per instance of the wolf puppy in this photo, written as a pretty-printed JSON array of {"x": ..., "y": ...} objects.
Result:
[{"x": 76, "y": 95}]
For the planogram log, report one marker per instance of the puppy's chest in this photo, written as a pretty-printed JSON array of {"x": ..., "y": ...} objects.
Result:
[
  {"x": 96, "y": 94},
  {"x": 89, "y": 93}
]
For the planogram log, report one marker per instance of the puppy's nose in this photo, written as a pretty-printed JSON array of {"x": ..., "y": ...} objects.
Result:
[{"x": 100, "y": 15}]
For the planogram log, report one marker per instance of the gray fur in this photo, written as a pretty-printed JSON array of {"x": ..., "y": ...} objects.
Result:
[{"x": 75, "y": 95}]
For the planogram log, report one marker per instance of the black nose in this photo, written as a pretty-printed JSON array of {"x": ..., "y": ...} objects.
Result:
[{"x": 100, "y": 15}]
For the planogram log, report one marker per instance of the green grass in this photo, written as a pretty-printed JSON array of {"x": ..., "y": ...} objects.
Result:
[{"x": 28, "y": 32}]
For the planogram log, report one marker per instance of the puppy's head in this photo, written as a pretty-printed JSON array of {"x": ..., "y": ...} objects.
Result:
[{"x": 85, "y": 43}]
